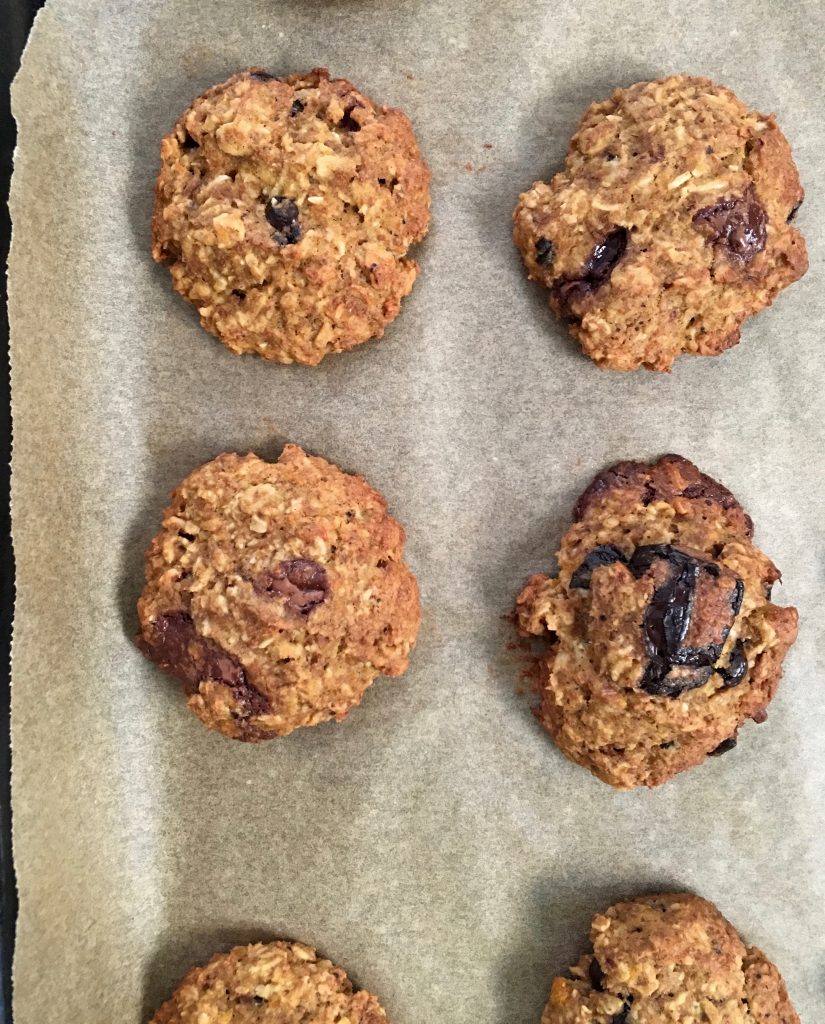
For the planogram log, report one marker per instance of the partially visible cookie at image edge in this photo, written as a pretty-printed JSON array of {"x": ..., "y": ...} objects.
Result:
[
  {"x": 671, "y": 223},
  {"x": 661, "y": 636},
  {"x": 276, "y": 593},
  {"x": 285, "y": 209},
  {"x": 269, "y": 983},
  {"x": 669, "y": 957}
]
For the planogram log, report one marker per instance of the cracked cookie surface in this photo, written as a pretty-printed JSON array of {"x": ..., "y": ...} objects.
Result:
[
  {"x": 670, "y": 957},
  {"x": 668, "y": 227},
  {"x": 276, "y": 593},
  {"x": 269, "y": 983},
  {"x": 661, "y": 636},
  {"x": 285, "y": 210}
]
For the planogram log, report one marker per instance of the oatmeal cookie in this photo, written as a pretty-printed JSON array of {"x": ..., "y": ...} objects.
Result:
[
  {"x": 285, "y": 209},
  {"x": 670, "y": 957},
  {"x": 272, "y": 983},
  {"x": 662, "y": 638},
  {"x": 276, "y": 593},
  {"x": 670, "y": 224}
]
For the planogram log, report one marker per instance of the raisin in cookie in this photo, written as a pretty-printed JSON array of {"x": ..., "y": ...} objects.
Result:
[
  {"x": 674, "y": 958},
  {"x": 273, "y": 983},
  {"x": 662, "y": 636},
  {"x": 276, "y": 593},
  {"x": 285, "y": 209},
  {"x": 669, "y": 225}
]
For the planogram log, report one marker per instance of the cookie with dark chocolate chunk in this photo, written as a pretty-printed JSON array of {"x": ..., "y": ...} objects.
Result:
[
  {"x": 276, "y": 593},
  {"x": 668, "y": 227},
  {"x": 668, "y": 957},
  {"x": 274, "y": 213},
  {"x": 661, "y": 635}
]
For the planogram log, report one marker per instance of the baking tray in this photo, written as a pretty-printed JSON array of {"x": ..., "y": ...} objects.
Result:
[
  {"x": 436, "y": 844},
  {"x": 16, "y": 18}
]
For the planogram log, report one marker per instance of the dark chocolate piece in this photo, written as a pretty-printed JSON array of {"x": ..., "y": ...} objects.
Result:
[
  {"x": 623, "y": 1016},
  {"x": 605, "y": 554},
  {"x": 736, "y": 225},
  {"x": 736, "y": 668},
  {"x": 673, "y": 667},
  {"x": 545, "y": 251},
  {"x": 282, "y": 214},
  {"x": 596, "y": 975},
  {"x": 596, "y": 270},
  {"x": 723, "y": 747},
  {"x": 176, "y": 646},
  {"x": 303, "y": 583}
]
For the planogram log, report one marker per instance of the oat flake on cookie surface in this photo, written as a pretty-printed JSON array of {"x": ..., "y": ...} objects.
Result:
[
  {"x": 285, "y": 209},
  {"x": 276, "y": 593},
  {"x": 662, "y": 639},
  {"x": 669, "y": 226},
  {"x": 671, "y": 958},
  {"x": 269, "y": 983}
]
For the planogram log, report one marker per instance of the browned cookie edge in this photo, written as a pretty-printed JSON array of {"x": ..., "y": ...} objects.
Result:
[{"x": 669, "y": 479}]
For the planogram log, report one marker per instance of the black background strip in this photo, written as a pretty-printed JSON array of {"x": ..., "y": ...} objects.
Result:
[{"x": 16, "y": 17}]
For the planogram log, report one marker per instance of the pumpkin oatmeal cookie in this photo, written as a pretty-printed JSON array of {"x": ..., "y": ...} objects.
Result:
[
  {"x": 272, "y": 983},
  {"x": 285, "y": 209},
  {"x": 662, "y": 637},
  {"x": 670, "y": 957},
  {"x": 668, "y": 227},
  {"x": 276, "y": 593}
]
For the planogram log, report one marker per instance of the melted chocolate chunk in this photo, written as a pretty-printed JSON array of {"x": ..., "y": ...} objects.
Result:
[
  {"x": 736, "y": 225},
  {"x": 283, "y": 214},
  {"x": 723, "y": 747},
  {"x": 708, "y": 654},
  {"x": 303, "y": 583},
  {"x": 596, "y": 975},
  {"x": 673, "y": 666},
  {"x": 794, "y": 211},
  {"x": 662, "y": 679},
  {"x": 189, "y": 142},
  {"x": 261, "y": 76},
  {"x": 297, "y": 107},
  {"x": 545, "y": 251},
  {"x": 177, "y": 647},
  {"x": 605, "y": 554},
  {"x": 596, "y": 271},
  {"x": 737, "y": 667}
]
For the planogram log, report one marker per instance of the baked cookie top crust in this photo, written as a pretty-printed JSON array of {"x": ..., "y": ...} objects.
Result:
[
  {"x": 662, "y": 637},
  {"x": 670, "y": 224},
  {"x": 285, "y": 209}
]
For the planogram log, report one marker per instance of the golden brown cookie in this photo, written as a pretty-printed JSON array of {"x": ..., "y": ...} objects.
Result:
[
  {"x": 669, "y": 958},
  {"x": 285, "y": 210},
  {"x": 273, "y": 983},
  {"x": 276, "y": 593},
  {"x": 662, "y": 638},
  {"x": 669, "y": 225}
]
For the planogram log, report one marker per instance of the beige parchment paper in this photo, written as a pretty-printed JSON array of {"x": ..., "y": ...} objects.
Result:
[{"x": 436, "y": 844}]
